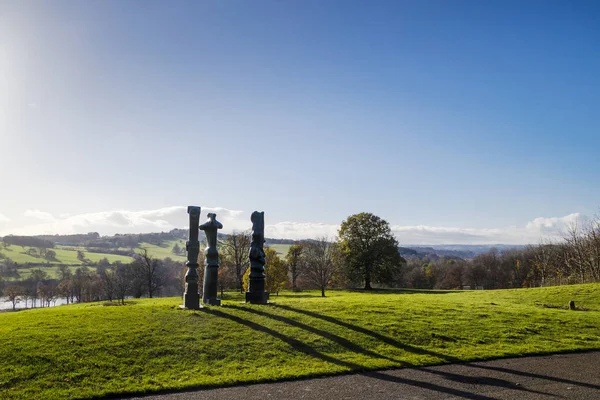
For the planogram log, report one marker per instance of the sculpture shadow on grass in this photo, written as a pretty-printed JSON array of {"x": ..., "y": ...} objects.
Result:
[
  {"x": 308, "y": 350},
  {"x": 327, "y": 335},
  {"x": 403, "y": 346},
  {"x": 385, "y": 339}
]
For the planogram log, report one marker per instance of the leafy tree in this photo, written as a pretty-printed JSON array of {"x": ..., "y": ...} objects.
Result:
[
  {"x": 65, "y": 289},
  {"x": 35, "y": 279},
  {"x": 294, "y": 260},
  {"x": 276, "y": 271},
  {"x": 104, "y": 263},
  {"x": 176, "y": 249},
  {"x": 370, "y": 250},
  {"x": 246, "y": 280},
  {"x": 50, "y": 255},
  {"x": 33, "y": 252},
  {"x": 64, "y": 272}
]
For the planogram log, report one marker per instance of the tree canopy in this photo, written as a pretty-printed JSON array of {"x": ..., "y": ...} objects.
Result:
[{"x": 370, "y": 250}]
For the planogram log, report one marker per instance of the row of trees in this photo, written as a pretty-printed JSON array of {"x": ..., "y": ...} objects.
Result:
[
  {"x": 574, "y": 259},
  {"x": 365, "y": 253},
  {"x": 145, "y": 276}
]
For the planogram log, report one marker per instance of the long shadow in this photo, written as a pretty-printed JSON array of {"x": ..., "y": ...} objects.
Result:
[
  {"x": 328, "y": 335},
  {"x": 538, "y": 376},
  {"x": 482, "y": 380},
  {"x": 306, "y": 349},
  {"x": 294, "y": 343},
  {"x": 375, "y": 335},
  {"x": 403, "y": 346}
]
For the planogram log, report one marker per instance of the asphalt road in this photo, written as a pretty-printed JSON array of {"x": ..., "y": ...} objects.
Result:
[{"x": 570, "y": 376}]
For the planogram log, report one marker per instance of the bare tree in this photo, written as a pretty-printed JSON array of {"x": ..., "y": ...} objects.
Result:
[
  {"x": 592, "y": 248},
  {"x": 575, "y": 258},
  {"x": 150, "y": 271},
  {"x": 108, "y": 277},
  {"x": 319, "y": 265},
  {"x": 123, "y": 281},
  {"x": 236, "y": 248},
  {"x": 47, "y": 292},
  {"x": 545, "y": 257},
  {"x": 14, "y": 294}
]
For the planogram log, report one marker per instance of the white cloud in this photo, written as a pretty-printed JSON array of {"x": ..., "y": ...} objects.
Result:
[
  {"x": 165, "y": 219},
  {"x": 123, "y": 221},
  {"x": 4, "y": 218},
  {"x": 555, "y": 223},
  {"x": 39, "y": 215},
  {"x": 538, "y": 229},
  {"x": 301, "y": 230}
]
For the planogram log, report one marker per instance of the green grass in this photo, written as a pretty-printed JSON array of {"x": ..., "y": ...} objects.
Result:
[
  {"x": 165, "y": 250},
  {"x": 64, "y": 255},
  {"x": 281, "y": 249},
  {"x": 90, "y": 350},
  {"x": 52, "y": 271}
]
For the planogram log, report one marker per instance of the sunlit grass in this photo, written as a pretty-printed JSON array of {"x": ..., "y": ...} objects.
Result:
[{"x": 150, "y": 345}]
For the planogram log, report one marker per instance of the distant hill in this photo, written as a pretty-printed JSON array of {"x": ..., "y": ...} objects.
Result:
[
  {"x": 462, "y": 251},
  {"x": 126, "y": 244}
]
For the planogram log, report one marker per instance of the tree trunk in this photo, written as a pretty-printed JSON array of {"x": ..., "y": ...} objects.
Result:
[
  {"x": 322, "y": 292},
  {"x": 368, "y": 282}
]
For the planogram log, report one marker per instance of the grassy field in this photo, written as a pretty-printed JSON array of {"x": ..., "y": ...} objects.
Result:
[
  {"x": 64, "y": 255},
  {"x": 67, "y": 255},
  {"x": 166, "y": 250},
  {"x": 52, "y": 271},
  {"x": 151, "y": 345},
  {"x": 281, "y": 249}
]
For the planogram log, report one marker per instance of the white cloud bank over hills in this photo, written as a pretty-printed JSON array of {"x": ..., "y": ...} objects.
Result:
[{"x": 165, "y": 219}]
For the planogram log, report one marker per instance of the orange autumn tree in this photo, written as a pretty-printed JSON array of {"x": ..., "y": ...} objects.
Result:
[{"x": 276, "y": 271}]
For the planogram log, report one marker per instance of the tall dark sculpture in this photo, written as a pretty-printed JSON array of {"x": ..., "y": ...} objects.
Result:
[
  {"x": 191, "y": 298},
  {"x": 211, "y": 270},
  {"x": 256, "y": 283}
]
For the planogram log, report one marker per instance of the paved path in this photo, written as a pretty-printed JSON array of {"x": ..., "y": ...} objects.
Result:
[{"x": 571, "y": 376}]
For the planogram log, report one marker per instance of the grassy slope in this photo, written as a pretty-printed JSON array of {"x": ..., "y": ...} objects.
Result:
[
  {"x": 281, "y": 249},
  {"x": 91, "y": 350},
  {"x": 165, "y": 250},
  {"x": 64, "y": 255},
  {"x": 68, "y": 255}
]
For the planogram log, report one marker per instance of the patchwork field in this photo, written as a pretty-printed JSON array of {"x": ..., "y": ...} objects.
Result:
[
  {"x": 86, "y": 350},
  {"x": 64, "y": 255},
  {"x": 67, "y": 255}
]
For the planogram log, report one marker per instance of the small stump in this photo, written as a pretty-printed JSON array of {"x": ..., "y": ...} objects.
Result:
[{"x": 572, "y": 305}]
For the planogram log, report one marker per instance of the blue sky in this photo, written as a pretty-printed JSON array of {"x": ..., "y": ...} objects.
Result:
[{"x": 457, "y": 122}]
